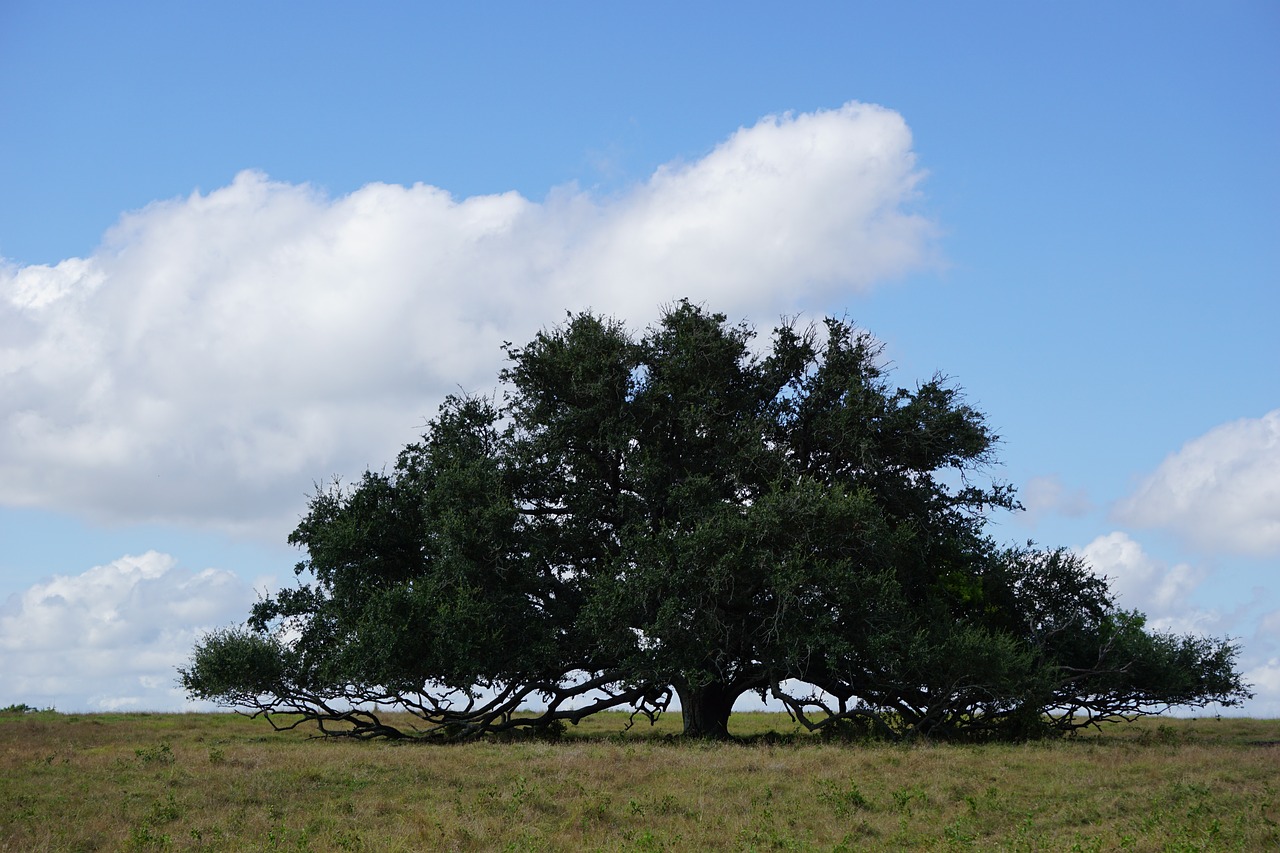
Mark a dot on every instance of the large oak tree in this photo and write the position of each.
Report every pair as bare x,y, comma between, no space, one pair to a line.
685,514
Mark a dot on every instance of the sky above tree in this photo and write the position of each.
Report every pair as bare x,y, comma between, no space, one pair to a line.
246,249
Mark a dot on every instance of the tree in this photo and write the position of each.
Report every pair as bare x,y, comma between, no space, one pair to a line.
641,518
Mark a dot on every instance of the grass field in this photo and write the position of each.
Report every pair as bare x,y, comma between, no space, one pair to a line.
221,782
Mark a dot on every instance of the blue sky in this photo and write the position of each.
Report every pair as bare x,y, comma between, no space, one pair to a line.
245,249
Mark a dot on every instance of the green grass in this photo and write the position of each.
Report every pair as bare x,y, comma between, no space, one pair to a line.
221,782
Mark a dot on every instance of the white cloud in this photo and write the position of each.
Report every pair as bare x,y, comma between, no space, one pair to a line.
1264,679
1139,581
110,638
795,204
1221,491
1044,496
1270,625
1261,665
219,353
1166,594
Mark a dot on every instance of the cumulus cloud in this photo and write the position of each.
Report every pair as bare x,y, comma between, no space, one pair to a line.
1262,666
1264,678
1048,495
1141,582
1167,595
111,637
1221,491
219,353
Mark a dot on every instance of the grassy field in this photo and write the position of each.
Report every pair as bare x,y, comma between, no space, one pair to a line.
220,782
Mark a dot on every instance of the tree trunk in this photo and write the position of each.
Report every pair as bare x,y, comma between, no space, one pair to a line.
706,709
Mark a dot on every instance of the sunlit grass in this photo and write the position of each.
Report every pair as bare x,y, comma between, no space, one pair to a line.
215,782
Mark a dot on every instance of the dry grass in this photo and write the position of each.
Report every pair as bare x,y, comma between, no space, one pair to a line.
219,782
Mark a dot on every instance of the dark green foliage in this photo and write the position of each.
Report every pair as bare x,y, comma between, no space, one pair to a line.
681,514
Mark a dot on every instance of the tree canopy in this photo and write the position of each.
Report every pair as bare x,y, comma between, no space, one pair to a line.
690,513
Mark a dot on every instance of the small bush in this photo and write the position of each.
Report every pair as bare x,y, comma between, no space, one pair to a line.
162,754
